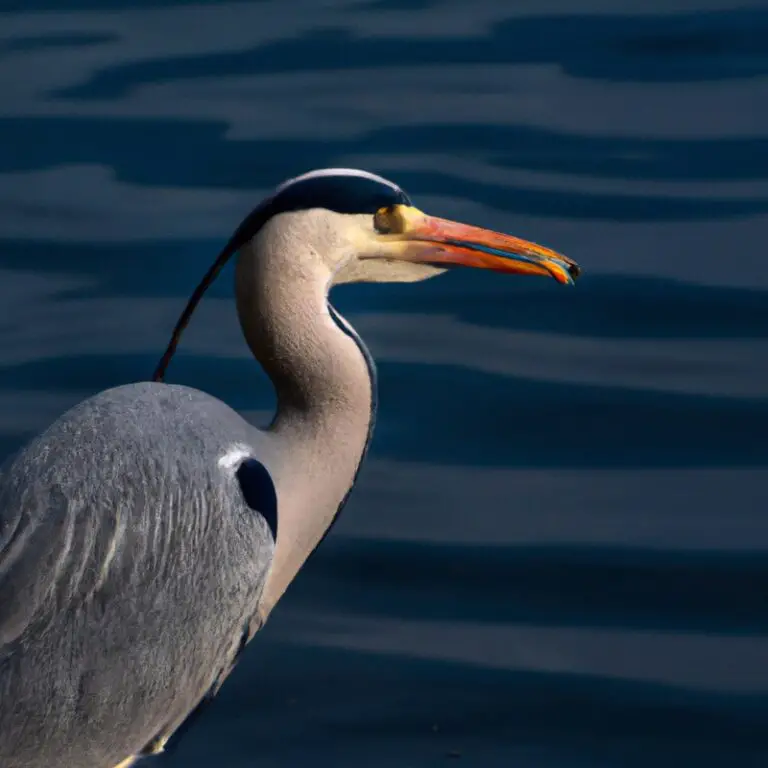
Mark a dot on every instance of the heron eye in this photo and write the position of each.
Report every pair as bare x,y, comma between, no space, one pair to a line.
385,220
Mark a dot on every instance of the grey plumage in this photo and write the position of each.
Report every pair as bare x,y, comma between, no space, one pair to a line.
137,553
125,590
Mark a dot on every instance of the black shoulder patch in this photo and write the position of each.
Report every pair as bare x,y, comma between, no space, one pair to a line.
343,190
259,491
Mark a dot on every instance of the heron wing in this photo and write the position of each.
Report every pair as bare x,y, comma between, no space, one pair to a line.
259,493
34,549
131,564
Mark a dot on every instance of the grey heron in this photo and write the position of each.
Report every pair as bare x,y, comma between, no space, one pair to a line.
146,535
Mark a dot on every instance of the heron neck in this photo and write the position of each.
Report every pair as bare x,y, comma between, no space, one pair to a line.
325,384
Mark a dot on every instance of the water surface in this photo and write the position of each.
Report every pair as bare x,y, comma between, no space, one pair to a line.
556,555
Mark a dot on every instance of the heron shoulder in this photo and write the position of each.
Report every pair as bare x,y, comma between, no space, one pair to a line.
118,507
89,485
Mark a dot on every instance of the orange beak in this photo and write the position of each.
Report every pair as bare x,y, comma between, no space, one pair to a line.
443,243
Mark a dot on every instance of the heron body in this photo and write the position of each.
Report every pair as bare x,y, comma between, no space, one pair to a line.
147,534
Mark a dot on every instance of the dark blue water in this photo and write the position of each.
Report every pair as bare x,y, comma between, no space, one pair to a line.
557,553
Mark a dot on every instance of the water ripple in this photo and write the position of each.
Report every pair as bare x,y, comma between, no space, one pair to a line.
555,557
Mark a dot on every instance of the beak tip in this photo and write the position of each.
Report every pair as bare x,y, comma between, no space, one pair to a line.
566,274
571,271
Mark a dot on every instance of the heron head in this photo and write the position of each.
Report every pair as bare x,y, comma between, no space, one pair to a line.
355,226
365,228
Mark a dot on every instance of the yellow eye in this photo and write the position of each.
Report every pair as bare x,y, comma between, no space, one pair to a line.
385,220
